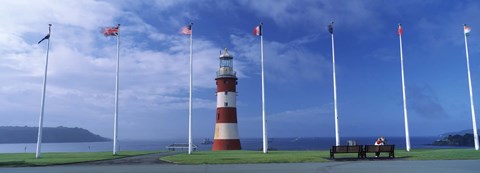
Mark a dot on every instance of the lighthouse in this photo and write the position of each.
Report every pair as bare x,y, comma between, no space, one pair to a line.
226,129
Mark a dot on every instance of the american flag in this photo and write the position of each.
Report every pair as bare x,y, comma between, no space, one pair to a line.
110,31
186,30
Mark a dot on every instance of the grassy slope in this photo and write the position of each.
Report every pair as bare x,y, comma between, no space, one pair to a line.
28,159
224,157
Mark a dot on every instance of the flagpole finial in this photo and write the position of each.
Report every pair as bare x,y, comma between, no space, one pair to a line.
261,23
399,24
50,24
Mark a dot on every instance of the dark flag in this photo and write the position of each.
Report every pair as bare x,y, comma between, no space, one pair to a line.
330,28
44,38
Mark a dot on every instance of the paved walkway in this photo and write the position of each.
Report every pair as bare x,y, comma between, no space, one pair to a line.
135,160
398,166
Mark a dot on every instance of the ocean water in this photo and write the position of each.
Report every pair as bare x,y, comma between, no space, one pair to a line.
318,143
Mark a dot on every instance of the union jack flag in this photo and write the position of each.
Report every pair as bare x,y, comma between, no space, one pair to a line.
111,31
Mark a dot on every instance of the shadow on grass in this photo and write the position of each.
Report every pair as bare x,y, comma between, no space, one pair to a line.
15,164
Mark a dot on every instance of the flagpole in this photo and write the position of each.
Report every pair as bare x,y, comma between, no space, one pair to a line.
264,120
474,122
407,134
115,125
190,95
337,138
40,123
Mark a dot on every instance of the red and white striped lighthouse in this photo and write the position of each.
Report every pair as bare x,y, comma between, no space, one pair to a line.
226,129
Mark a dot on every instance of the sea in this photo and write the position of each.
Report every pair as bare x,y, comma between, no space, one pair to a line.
294,143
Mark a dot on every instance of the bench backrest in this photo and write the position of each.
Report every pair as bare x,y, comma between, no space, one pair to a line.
379,148
347,149
386,148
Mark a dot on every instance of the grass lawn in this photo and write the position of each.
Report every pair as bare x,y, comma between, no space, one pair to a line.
238,157
28,159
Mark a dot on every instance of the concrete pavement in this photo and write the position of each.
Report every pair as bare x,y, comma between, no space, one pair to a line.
438,166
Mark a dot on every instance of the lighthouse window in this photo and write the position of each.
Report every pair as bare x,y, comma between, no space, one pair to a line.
226,81
218,116
226,103
226,92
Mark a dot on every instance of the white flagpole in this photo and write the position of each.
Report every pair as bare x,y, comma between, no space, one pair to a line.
264,120
407,134
40,123
190,95
337,138
115,125
474,121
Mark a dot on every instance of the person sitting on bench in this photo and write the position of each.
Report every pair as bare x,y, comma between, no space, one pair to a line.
380,141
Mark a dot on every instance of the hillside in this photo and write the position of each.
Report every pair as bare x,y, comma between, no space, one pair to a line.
17,134
460,138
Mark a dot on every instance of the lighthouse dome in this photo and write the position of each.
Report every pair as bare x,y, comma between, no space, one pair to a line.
225,54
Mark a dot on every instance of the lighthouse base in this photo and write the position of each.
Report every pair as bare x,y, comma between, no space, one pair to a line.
226,144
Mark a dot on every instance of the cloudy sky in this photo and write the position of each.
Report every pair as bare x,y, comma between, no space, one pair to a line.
299,90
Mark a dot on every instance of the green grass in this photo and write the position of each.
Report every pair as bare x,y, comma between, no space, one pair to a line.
28,159
231,157
438,154
242,157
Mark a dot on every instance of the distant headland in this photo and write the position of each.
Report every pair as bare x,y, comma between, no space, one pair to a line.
25,134
461,138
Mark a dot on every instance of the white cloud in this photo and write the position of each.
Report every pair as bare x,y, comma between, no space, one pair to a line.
81,74
283,62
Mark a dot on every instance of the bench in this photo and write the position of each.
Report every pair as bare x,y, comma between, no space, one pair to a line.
390,149
346,149
176,146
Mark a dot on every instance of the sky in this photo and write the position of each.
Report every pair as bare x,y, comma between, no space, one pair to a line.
154,66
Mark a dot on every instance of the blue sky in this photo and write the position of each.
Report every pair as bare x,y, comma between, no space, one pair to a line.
299,89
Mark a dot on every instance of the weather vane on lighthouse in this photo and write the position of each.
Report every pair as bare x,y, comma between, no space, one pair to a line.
226,129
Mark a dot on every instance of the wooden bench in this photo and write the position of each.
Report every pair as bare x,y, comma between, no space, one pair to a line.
176,146
390,149
346,149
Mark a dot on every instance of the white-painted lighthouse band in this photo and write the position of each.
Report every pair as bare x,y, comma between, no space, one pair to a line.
226,99
226,131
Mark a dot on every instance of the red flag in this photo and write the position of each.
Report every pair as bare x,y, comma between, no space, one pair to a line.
257,30
110,31
400,30
186,30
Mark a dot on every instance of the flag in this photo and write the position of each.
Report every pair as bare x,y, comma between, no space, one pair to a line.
257,30
330,28
110,31
466,30
400,30
186,30
44,38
